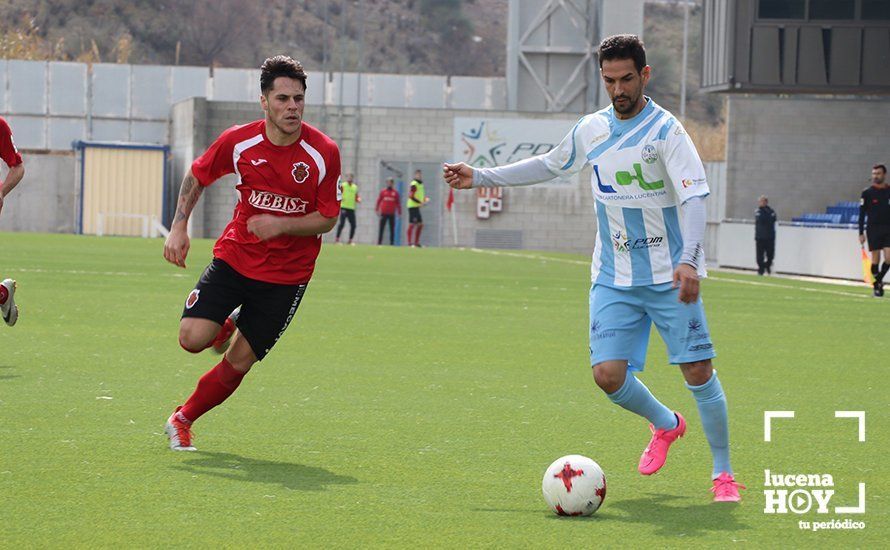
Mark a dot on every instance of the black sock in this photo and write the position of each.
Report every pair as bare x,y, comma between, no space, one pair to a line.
884,268
875,271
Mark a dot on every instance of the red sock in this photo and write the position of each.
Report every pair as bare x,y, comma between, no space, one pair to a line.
411,234
4,294
214,387
417,231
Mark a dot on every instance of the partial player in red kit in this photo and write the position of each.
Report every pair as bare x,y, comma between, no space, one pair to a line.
287,198
13,160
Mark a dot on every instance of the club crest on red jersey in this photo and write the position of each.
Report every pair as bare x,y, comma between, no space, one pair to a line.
300,172
192,299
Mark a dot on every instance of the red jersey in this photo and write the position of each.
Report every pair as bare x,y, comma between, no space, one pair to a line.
388,202
8,152
291,180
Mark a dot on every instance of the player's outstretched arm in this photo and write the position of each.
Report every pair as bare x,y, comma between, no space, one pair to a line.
565,159
524,172
458,175
268,226
176,247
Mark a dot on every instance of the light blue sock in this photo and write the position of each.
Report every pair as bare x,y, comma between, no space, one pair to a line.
636,397
711,403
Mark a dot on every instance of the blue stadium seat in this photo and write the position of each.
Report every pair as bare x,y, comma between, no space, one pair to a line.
844,212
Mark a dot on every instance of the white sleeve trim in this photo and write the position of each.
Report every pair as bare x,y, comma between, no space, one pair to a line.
319,160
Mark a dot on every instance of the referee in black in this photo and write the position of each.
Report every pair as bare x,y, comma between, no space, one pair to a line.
875,206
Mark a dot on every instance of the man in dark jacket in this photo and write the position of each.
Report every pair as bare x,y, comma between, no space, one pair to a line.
765,235
874,224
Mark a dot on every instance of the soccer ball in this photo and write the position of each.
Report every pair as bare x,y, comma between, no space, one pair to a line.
574,485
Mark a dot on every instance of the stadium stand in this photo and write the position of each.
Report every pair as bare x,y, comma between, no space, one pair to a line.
843,213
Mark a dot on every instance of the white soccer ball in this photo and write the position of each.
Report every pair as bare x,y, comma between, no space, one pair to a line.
574,485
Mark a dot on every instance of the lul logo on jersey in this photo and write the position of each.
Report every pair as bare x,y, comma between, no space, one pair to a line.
624,177
649,154
277,203
300,172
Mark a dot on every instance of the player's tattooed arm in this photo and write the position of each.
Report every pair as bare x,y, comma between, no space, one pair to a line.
189,194
176,247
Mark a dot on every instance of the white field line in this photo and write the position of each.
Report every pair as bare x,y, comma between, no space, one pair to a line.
717,278
803,288
477,250
84,272
528,256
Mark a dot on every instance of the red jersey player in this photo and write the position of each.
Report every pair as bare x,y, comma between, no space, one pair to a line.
287,198
388,206
13,160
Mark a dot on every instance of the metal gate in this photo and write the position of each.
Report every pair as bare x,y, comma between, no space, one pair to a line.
122,188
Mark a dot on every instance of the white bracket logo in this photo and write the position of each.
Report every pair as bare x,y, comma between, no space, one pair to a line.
768,418
776,499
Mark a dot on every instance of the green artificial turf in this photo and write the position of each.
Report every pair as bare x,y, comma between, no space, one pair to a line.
415,401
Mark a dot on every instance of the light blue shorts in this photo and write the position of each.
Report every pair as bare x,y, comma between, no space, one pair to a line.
620,319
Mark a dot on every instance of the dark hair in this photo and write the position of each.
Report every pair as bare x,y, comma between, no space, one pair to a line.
880,167
622,46
280,65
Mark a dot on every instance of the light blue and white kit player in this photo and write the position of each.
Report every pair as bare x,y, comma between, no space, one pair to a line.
649,187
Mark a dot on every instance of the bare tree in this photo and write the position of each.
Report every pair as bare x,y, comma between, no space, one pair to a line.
210,29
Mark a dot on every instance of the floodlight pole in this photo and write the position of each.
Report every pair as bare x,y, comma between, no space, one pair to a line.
685,59
324,71
356,138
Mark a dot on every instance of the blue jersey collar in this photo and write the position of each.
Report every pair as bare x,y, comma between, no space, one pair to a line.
618,123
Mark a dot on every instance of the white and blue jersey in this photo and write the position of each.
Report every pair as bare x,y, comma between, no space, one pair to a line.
644,168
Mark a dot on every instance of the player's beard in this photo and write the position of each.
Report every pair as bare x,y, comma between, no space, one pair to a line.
628,107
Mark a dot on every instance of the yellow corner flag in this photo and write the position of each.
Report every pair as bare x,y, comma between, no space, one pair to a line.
866,267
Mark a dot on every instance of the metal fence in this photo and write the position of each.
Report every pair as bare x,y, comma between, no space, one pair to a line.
52,104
